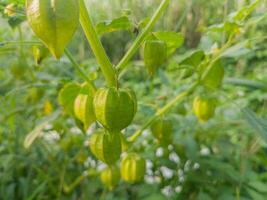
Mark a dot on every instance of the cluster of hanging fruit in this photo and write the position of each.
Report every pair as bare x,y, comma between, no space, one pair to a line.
55,22
114,108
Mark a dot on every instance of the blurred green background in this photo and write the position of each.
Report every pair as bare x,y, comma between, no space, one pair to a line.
223,159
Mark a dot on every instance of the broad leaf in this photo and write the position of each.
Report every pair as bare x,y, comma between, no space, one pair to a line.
189,62
193,58
121,23
173,40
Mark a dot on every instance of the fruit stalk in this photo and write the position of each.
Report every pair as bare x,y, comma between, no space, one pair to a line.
96,46
78,68
138,41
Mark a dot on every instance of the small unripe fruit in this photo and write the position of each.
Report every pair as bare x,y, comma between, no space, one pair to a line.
162,130
133,168
155,54
83,105
110,177
106,146
204,108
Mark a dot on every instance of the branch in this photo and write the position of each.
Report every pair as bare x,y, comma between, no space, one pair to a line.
96,46
138,41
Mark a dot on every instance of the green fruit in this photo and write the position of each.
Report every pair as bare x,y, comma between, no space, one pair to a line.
215,76
83,105
54,22
133,168
162,130
204,108
106,146
115,108
155,54
110,177
39,53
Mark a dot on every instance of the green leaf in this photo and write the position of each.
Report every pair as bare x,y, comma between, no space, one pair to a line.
234,20
228,27
189,62
243,13
67,96
38,130
173,40
121,23
258,124
193,58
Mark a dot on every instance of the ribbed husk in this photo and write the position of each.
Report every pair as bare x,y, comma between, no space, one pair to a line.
162,130
115,108
83,106
54,22
106,146
110,177
133,168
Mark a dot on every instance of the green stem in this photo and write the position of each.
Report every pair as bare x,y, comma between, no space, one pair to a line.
78,68
138,41
96,46
79,179
178,99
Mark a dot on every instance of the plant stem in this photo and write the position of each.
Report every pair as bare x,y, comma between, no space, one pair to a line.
78,68
96,46
138,41
79,179
178,99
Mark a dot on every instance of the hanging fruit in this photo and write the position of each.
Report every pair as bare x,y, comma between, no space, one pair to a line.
115,108
83,105
133,168
110,177
162,130
204,107
106,146
54,22
155,54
